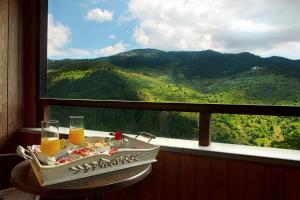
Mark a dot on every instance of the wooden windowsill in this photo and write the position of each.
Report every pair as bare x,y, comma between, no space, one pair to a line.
231,151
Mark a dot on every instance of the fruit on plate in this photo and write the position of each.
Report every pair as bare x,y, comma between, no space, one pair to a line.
112,151
95,145
64,160
81,151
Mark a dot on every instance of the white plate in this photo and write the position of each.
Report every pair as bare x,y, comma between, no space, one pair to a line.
43,159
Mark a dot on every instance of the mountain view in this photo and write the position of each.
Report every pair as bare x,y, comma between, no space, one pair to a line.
182,76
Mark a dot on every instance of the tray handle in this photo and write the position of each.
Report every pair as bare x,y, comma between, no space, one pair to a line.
22,152
146,135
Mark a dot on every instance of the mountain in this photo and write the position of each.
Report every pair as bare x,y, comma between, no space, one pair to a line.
182,76
204,64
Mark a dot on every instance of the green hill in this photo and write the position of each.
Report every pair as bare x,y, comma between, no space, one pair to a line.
200,77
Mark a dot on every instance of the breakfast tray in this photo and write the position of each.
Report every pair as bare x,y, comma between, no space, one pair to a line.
131,153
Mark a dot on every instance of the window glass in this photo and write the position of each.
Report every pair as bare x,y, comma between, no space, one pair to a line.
221,51
265,131
164,124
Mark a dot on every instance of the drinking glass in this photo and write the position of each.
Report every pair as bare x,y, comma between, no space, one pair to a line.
50,144
76,131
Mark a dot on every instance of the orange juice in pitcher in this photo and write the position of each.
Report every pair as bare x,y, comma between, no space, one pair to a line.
50,143
50,146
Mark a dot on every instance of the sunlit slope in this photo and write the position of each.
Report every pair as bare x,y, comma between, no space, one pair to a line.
106,81
174,78
90,83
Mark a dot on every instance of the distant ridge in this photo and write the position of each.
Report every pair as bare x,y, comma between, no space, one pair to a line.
141,52
203,63
206,63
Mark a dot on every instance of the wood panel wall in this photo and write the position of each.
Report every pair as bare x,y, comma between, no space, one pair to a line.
189,177
11,81
18,69
30,13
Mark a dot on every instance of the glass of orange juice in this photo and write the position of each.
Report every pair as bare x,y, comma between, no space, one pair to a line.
76,131
50,144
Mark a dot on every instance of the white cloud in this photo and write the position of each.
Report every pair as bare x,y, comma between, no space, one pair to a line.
113,49
58,36
95,53
79,53
285,49
99,15
141,37
224,25
112,36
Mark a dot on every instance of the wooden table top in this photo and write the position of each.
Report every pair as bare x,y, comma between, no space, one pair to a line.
23,178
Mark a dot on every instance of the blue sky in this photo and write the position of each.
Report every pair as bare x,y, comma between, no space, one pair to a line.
97,28
90,34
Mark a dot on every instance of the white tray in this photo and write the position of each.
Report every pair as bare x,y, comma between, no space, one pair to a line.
131,153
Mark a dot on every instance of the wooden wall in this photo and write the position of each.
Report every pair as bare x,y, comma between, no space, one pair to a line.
179,176
19,69
30,12
10,73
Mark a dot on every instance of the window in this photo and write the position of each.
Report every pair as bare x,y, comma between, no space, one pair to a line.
222,52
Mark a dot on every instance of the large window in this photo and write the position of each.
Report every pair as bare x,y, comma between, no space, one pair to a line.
222,51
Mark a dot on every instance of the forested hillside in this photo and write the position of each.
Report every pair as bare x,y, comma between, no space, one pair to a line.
199,77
